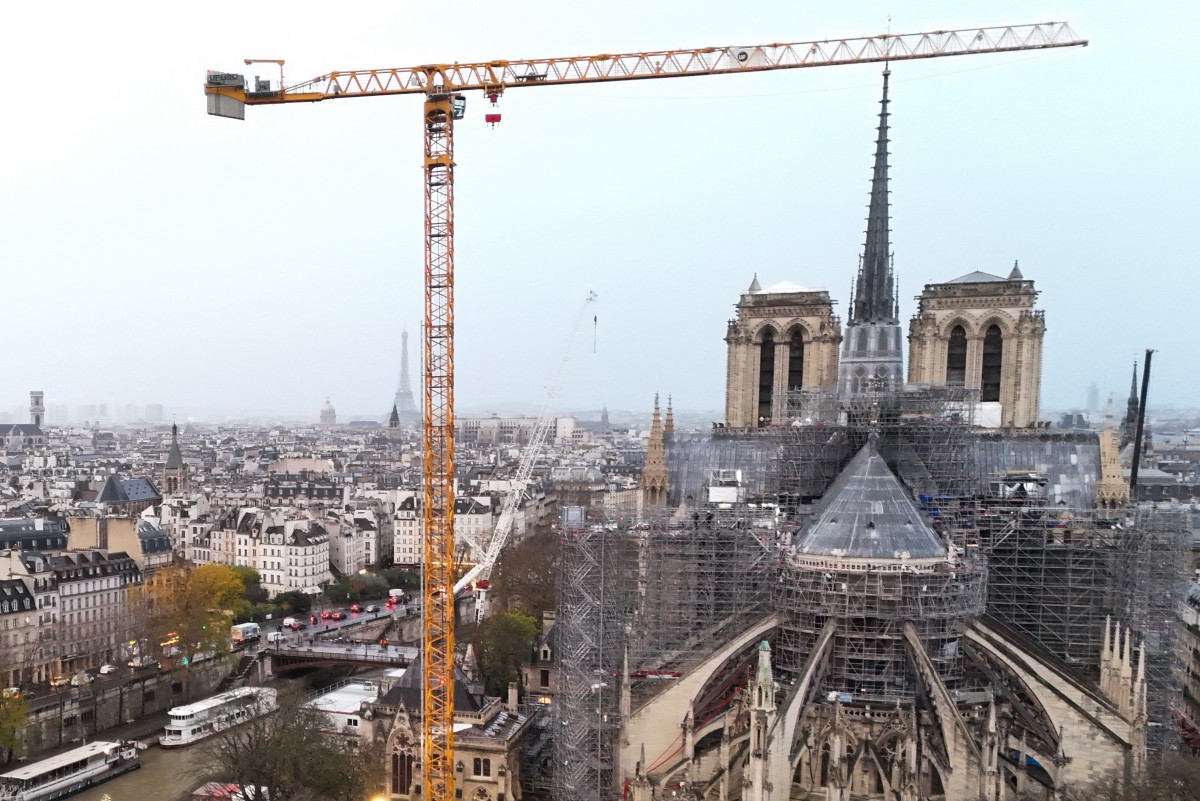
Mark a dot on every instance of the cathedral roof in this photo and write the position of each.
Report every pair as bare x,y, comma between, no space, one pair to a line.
868,514
782,288
977,277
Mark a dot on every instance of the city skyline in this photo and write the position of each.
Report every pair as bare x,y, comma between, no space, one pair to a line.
269,264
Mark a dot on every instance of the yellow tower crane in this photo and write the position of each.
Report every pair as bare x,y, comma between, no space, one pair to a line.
442,85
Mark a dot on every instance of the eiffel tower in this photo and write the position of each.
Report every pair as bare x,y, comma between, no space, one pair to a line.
410,415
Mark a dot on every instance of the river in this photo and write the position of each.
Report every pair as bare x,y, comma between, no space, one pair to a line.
165,775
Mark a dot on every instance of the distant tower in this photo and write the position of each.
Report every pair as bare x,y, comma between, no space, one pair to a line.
872,358
654,469
1129,421
37,408
1093,398
604,421
394,417
175,471
410,415
328,415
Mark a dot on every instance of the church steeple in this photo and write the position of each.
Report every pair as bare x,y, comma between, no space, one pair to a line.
175,470
669,424
875,298
654,469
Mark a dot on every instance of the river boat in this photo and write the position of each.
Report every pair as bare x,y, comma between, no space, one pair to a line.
194,722
70,772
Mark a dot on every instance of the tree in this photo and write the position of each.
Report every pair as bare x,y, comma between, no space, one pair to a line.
195,605
252,582
289,755
294,602
524,575
12,720
505,641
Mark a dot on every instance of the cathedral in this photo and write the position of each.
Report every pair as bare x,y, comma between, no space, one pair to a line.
870,582
978,331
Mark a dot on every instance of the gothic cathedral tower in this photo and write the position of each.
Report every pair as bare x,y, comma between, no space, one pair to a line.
872,357
982,332
784,338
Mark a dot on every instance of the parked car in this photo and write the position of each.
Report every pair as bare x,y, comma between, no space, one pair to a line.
106,669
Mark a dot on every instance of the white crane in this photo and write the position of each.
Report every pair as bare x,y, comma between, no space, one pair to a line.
520,481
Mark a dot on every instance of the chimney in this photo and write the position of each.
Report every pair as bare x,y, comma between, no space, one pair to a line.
512,705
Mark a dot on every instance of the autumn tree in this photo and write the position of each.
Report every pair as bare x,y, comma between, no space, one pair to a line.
505,643
525,573
288,755
194,604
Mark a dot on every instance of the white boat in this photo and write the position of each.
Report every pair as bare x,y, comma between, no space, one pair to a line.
69,772
192,723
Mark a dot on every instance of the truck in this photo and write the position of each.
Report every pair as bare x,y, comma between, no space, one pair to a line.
243,634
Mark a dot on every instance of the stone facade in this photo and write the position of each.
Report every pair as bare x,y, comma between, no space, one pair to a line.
784,337
981,331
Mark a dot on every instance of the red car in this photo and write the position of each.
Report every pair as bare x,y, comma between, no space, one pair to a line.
326,614
354,608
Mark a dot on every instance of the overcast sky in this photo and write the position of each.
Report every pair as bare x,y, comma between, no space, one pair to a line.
156,254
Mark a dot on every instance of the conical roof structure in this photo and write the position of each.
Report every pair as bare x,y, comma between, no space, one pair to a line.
868,514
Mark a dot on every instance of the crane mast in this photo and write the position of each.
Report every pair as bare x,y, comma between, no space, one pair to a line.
227,95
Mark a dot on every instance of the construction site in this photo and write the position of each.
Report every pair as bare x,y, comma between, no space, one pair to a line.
646,602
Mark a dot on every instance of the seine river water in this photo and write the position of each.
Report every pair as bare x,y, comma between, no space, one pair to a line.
165,775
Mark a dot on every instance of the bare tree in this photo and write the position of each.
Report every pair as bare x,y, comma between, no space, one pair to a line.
291,755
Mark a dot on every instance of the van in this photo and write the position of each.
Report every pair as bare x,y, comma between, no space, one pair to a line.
81,679
275,636
290,622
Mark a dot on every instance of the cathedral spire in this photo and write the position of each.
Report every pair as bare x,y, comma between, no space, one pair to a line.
875,300
669,424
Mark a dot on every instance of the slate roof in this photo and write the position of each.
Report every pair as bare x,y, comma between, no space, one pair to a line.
868,514
408,690
128,490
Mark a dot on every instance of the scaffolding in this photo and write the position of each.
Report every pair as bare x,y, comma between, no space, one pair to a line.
1151,586
925,431
640,601
870,603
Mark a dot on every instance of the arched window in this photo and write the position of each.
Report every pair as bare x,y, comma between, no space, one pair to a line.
956,357
796,360
766,374
402,766
993,355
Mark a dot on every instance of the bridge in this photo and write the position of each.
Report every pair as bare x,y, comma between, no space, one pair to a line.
292,656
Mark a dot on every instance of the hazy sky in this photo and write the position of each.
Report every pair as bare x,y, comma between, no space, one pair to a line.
156,254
